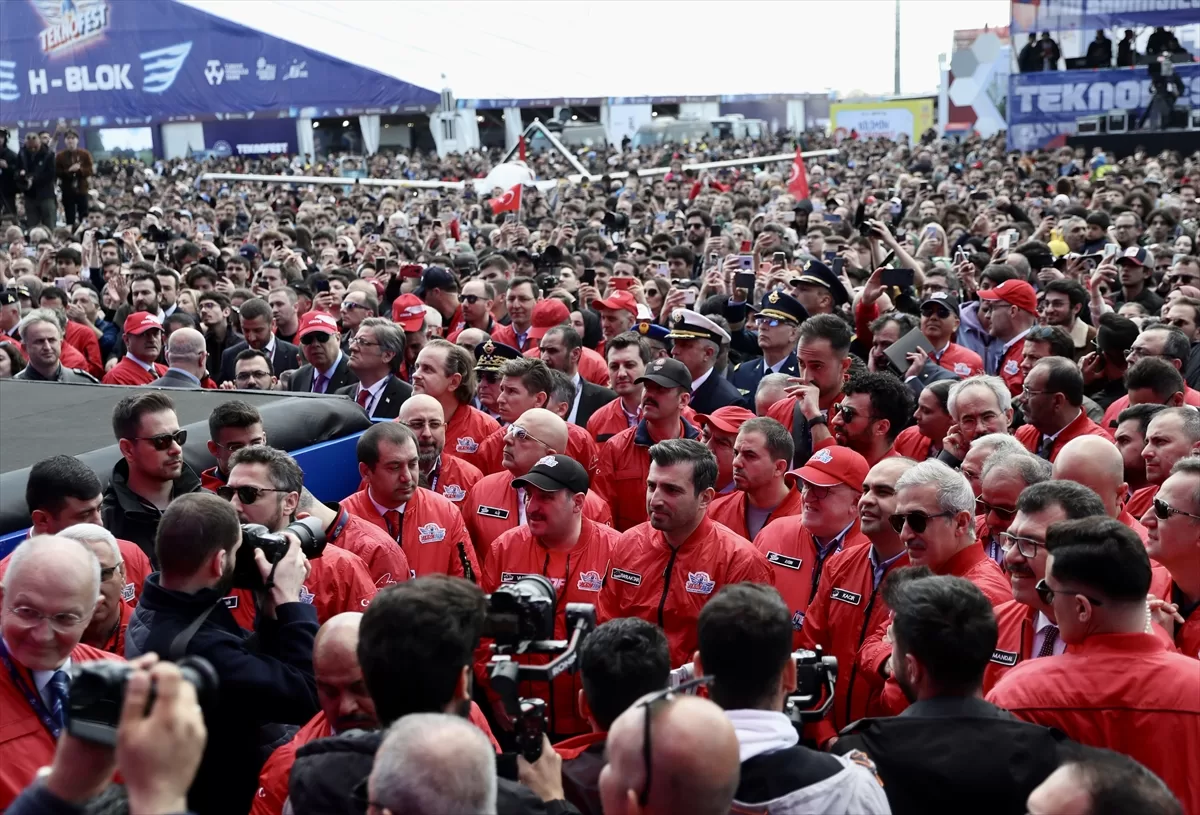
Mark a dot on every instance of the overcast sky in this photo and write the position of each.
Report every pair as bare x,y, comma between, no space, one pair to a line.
615,48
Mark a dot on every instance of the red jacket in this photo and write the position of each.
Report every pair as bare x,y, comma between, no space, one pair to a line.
273,779
83,339
466,430
577,576
610,420
650,580
1031,437
385,561
1133,523
624,468
1010,367
127,372
796,561
848,605
1190,397
1140,502
337,581
211,479
25,744
911,444
507,335
455,478
434,537
491,510
1187,636
137,569
580,446
1125,692
592,366
730,510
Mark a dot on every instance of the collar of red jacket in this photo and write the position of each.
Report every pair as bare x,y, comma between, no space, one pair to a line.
641,436
1138,642
962,561
702,531
572,747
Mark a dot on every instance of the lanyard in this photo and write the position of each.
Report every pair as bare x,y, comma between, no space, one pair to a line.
34,699
435,474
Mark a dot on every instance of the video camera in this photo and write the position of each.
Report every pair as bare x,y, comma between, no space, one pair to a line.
814,673
274,546
97,695
520,619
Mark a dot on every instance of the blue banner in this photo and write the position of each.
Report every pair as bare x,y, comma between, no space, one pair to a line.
1043,105
254,137
1089,15
93,61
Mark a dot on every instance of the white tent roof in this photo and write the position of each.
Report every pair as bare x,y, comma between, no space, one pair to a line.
532,50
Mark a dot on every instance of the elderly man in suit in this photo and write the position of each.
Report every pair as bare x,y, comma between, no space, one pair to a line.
187,356
376,354
328,369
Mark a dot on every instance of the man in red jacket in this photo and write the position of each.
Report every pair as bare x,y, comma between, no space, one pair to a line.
1012,308
873,410
428,527
1172,434
627,355
143,344
446,372
799,546
385,560
718,431
49,578
441,472
232,425
1052,398
1116,686
558,542
1005,475
1173,539
761,454
848,603
519,300
1097,464
666,569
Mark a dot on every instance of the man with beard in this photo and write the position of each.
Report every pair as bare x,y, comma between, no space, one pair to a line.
1052,397
1064,302
446,373
447,475
267,679
719,431
762,450
143,335
874,409
252,372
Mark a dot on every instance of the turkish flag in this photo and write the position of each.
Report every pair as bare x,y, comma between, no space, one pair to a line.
798,181
509,202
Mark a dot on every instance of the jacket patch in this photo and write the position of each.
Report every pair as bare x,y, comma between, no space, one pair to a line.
699,583
797,620
632,578
1004,657
784,561
845,596
431,533
128,592
306,596
1011,368
512,577
454,492
492,512
590,581
231,601
466,444
962,369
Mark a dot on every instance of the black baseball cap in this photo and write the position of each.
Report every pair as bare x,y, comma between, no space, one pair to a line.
436,277
669,373
553,473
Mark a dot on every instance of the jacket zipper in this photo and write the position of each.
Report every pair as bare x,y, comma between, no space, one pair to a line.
666,586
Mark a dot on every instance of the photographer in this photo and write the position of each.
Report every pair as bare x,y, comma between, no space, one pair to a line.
745,636
268,679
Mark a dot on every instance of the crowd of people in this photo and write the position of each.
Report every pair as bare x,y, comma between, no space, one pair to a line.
937,420
1044,54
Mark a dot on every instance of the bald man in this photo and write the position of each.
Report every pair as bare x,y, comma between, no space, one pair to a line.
187,356
47,577
345,705
1095,462
450,476
431,763
682,778
494,507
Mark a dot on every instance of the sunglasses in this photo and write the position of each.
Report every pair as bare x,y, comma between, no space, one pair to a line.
350,305
1046,594
1003,513
649,703
1163,511
767,322
163,441
847,413
521,434
319,337
470,299
938,311
247,495
917,521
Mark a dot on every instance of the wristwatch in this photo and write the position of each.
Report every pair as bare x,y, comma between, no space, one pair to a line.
818,419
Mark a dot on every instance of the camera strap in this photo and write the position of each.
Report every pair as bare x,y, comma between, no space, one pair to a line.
178,648
31,695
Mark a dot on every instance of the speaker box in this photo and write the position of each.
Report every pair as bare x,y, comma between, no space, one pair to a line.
1194,119
1090,125
1118,121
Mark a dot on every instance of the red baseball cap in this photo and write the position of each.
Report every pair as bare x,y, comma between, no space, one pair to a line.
831,466
140,322
1014,292
728,419
619,300
316,321
546,315
409,311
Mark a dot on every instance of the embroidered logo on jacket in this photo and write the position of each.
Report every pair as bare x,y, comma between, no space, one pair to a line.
962,369
1011,368
699,583
231,602
783,560
590,581
431,533
454,492
306,596
466,444
797,620
128,592
632,578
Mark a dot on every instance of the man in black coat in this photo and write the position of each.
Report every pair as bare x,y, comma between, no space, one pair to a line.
376,354
263,678
35,178
8,178
950,751
560,348
327,369
258,328
697,342
1100,52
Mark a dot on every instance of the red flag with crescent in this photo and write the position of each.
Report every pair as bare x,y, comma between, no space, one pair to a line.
798,181
509,202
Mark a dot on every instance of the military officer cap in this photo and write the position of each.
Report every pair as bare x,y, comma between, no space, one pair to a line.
816,273
651,331
491,355
782,306
692,325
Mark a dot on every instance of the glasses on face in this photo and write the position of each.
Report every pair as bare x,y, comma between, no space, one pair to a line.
107,572
637,250
1028,547
767,322
1046,594
31,617
848,413
350,305
982,507
319,337
163,441
917,521
521,434
1163,511
247,495
1026,392
935,311
418,426
695,226
470,299
361,343
649,703
1183,280
251,376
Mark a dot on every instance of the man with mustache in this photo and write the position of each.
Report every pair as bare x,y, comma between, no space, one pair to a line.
448,475
761,452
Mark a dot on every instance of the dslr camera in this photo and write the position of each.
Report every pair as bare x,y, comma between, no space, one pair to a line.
274,546
98,693
816,678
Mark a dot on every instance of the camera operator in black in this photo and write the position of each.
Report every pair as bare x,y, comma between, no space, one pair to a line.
264,678
745,638
416,648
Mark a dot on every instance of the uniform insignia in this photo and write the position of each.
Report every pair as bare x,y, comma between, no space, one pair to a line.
231,601
546,461
306,596
797,620
128,592
454,492
773,297
466,444
384,580
632,578
1004,657
431,533
492,512
823,455
643,327
489,347
962,369
590,581
1011,367
845,596
699,583
783,560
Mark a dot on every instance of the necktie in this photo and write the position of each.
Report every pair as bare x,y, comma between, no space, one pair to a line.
1044,447
395,523
1048,641
363,396
58,698
319,385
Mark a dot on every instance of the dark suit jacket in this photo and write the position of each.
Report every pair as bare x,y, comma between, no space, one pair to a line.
716,392
932,372
302,380
287,357
592,398
388,406
174,379
746,376
956,755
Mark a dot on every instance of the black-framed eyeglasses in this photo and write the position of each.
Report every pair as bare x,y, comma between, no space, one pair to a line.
434,425
917,521
1163,511
315,336
163,441
648,703
247,494
1046,594
931,310
1028,547
251,376
521,434
1003,513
